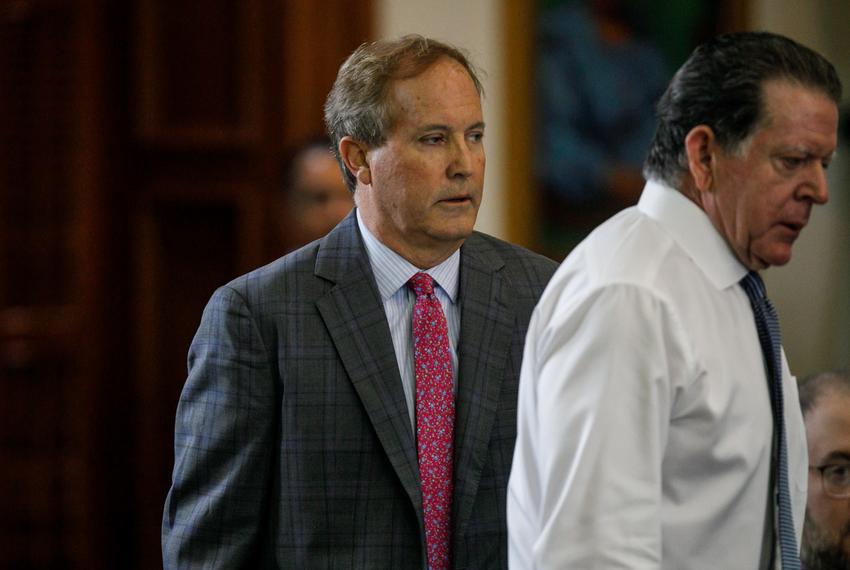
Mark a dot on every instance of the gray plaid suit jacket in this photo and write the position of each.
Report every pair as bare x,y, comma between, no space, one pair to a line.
293,444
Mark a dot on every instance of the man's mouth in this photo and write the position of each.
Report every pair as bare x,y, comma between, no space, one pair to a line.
458,200
793,227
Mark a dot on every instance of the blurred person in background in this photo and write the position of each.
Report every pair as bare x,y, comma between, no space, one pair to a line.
825,400
314,196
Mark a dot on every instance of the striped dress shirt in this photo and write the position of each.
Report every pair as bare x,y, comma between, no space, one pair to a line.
392,273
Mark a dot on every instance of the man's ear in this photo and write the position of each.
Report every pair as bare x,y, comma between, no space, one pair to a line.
353,154
700,148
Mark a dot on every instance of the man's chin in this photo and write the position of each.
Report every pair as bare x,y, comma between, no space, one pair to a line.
455,232
776,256
821,552
831,558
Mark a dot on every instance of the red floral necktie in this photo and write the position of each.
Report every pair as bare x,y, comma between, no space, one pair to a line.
435,417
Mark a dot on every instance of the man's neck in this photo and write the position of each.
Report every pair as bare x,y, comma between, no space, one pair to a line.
423,257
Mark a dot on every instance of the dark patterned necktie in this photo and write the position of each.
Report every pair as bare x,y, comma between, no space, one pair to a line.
435,417
767,325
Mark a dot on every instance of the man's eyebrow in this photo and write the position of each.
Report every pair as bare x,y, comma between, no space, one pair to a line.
434,127
808,151
841,456
441,127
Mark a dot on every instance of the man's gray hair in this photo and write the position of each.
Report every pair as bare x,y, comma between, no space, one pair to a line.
358,106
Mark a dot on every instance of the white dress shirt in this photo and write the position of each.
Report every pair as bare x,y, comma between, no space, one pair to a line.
392,272
645,429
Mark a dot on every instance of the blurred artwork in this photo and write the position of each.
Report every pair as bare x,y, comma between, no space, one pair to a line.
601,66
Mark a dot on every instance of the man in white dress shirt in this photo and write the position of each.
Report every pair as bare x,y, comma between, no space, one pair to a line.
645,425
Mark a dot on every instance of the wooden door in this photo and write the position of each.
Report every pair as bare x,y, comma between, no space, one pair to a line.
140,144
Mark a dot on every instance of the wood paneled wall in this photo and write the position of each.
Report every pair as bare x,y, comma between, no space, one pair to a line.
140,150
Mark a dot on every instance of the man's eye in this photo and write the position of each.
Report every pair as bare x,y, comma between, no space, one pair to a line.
838,474
792,162
476,137
432,139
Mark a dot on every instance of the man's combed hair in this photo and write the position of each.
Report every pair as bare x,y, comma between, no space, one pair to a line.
357,104
721,86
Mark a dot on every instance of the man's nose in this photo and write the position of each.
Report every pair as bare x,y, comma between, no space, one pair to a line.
816,187
461,160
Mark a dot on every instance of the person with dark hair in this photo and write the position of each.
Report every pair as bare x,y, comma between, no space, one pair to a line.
658,420
314,197
825,400
353,404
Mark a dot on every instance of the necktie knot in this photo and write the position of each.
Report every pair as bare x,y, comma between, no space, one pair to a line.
421,284
753,286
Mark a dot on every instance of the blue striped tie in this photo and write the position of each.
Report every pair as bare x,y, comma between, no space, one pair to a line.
767,325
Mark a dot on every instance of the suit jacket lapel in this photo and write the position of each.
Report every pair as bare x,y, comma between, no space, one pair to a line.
487,323
354,314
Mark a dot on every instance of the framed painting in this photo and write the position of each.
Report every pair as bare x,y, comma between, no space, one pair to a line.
595,70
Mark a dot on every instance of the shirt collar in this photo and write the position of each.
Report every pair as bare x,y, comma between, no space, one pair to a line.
690,227
392,271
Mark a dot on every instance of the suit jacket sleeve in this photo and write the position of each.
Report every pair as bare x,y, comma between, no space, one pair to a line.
225,425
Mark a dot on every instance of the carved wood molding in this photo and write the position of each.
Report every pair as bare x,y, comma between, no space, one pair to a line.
199,73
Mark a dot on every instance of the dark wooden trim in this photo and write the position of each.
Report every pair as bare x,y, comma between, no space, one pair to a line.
153,129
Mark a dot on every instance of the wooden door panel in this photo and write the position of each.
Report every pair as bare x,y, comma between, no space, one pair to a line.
139,143
199,72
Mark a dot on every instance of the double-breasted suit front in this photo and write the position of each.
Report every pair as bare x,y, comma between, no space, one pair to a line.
293,441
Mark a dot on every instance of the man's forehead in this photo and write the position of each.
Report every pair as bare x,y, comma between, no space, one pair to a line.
779,96
410,68
431,82
425,107
315,163
828,423
795,118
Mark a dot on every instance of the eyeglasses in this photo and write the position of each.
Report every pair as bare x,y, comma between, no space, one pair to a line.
835,479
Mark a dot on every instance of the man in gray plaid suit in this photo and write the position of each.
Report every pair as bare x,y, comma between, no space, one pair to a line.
295,440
